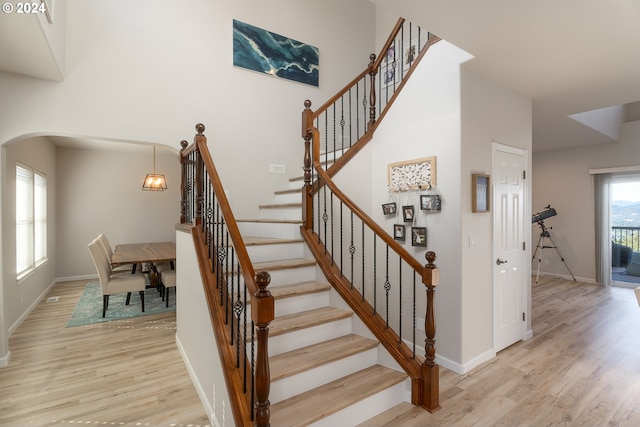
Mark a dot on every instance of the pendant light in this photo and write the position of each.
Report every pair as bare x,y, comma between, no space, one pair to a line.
154,181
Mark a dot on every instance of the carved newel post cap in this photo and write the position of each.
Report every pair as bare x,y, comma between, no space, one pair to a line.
431,275
184,144
430,256
200,128
372,57
307,104
263,279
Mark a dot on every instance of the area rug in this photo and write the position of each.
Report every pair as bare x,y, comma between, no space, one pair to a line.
89,307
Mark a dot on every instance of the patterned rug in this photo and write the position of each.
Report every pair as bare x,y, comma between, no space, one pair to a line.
89,307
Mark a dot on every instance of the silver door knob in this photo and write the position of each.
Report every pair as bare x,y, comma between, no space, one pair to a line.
501,261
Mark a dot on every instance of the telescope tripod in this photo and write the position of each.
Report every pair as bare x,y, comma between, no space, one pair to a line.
545,234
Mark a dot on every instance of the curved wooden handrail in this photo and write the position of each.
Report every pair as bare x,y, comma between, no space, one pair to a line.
388,240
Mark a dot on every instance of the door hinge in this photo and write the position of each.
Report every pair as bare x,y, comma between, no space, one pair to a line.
524,174
523,319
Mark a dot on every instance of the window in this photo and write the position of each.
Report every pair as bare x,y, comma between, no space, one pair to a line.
31,220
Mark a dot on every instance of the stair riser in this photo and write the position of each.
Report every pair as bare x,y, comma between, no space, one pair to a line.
261,253
304,337
305,381
288,213
365,409
289,197
292,275
301,303
276,230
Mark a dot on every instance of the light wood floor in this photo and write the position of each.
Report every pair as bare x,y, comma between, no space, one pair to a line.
127,373
581,368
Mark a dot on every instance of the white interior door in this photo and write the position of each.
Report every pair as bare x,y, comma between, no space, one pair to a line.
510,260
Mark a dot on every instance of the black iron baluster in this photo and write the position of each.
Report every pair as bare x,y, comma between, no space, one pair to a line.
332,226
352,250
375,274
363,262
387,288
413,316
341,239
400,298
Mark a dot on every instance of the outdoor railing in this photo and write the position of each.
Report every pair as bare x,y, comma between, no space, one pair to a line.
627,236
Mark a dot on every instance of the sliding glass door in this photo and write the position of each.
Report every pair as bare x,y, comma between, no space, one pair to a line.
625,230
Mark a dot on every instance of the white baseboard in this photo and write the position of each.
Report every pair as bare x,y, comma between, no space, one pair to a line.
28,311
196,383
565,277
4,360
466,366
74,278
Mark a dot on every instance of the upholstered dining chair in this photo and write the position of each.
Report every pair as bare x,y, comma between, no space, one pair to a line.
109,251
114,283
168,280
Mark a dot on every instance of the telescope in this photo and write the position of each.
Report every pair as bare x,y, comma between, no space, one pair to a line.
541,216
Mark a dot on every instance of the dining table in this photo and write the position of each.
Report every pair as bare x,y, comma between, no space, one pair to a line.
146,254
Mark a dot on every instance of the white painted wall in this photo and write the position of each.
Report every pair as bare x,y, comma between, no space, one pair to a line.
561,178
20,297
489,113
195,338
101,192
148,71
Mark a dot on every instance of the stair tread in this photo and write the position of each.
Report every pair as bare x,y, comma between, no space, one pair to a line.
306,319
283,264
280,205
272,221
288,191
306,358
296,289
313,405
257,240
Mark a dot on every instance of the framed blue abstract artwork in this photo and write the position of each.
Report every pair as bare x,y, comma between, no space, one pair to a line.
270,53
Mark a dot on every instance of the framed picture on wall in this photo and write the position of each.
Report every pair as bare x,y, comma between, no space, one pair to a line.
419,236
408,213
480,193
399,232
389,208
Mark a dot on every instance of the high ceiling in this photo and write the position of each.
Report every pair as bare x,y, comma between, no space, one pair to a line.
568,56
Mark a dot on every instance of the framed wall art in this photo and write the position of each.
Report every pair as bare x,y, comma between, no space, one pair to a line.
480,193
260,50
408,213
399,232
412,174
419,236
430,202
389,208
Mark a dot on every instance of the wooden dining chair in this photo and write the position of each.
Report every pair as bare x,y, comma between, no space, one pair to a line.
114,283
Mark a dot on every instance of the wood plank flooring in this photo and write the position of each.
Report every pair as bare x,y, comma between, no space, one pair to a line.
115,373
581,368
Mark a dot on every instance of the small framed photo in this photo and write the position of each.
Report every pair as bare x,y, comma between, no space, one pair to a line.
389,208
408,213
430,202
419,236
399,232
480,193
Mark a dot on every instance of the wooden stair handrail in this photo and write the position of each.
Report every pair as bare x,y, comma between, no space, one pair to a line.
262,302
424,376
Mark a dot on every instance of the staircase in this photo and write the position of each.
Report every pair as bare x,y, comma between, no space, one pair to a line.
326,369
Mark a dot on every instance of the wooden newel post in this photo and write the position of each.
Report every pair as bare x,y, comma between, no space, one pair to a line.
262,313
372,95
183,182
430,370
199,140
307,194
